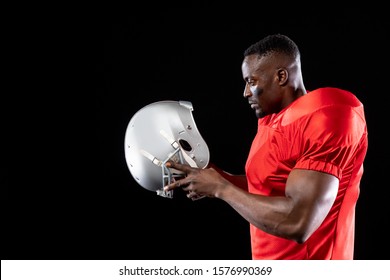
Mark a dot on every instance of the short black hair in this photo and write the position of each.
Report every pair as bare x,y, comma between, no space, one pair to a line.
274,43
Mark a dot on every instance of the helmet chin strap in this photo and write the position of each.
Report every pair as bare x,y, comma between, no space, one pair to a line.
176,145
183,156
178,155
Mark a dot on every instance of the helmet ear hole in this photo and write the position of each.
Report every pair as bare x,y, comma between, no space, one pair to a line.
185,145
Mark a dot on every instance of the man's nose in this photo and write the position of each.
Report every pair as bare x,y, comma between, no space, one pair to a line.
247,91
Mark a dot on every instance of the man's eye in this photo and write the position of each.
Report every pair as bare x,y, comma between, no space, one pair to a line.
251,83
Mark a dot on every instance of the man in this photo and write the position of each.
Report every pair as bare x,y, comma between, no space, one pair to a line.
305,164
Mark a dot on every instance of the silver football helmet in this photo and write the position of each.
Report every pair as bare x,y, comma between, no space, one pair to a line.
160,132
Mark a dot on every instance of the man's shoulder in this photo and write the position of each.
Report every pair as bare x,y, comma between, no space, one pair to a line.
328,99
326,96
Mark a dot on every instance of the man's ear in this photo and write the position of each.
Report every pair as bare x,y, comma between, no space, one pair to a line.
282,76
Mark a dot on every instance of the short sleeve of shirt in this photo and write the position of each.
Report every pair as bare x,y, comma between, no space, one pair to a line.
329,137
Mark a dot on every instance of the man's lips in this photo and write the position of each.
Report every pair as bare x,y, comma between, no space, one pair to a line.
254,105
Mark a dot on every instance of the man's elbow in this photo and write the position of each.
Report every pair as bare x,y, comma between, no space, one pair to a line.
300,239
300,234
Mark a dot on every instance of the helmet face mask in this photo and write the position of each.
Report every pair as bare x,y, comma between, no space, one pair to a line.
160,132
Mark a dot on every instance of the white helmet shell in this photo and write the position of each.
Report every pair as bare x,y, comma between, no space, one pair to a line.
160,132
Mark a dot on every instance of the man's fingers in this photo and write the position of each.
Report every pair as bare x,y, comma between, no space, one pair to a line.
182,167
174,185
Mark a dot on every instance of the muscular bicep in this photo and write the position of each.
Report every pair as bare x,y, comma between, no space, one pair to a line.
313,194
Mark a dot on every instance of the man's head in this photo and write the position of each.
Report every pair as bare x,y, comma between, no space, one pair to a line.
272,72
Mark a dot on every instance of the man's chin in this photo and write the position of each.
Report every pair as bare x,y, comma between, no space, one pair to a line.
259,114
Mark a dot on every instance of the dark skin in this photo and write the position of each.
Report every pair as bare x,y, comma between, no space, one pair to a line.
272,83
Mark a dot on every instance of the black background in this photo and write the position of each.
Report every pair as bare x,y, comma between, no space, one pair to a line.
81,75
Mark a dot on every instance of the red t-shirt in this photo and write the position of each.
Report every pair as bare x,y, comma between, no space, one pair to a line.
324,130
